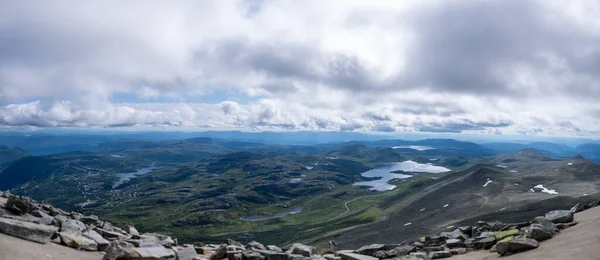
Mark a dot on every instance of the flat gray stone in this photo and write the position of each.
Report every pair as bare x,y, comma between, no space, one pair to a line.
77,241
516,245
30,231
440,254
560,216
185,253
355,256
102,243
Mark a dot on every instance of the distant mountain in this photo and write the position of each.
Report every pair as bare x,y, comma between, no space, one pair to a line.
10,154
552,149
53,142
368,154
432,147
590,151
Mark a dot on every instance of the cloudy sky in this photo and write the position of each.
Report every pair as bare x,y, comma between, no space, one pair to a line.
496,67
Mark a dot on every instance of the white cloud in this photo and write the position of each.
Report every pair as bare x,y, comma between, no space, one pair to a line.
494,67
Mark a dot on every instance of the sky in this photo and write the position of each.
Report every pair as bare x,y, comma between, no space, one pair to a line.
510,67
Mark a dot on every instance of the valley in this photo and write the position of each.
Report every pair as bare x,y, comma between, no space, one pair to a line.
205,189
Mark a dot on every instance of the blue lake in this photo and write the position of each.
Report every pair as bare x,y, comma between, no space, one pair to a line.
130,175
385,172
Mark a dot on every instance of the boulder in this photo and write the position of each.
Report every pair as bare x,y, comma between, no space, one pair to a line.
385,254
439,254
458,251
436,240
232,242
77,241
497,226
548,225
454,243
405,250
255,245
219,253
19,205
418,256
485,243
102,243
44,218
30,231
515,245
91,220
577,208
110,235
560,216
234,255
433,248
504,234
249,255
300,249
272,255
146,253
274,248
561,226
132,231
72,226
371,249
538,232
185,253
354,256
456,234
467,230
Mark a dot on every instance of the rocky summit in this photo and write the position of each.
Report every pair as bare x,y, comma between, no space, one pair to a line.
23,218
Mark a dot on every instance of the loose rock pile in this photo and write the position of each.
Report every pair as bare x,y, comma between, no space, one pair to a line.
22,217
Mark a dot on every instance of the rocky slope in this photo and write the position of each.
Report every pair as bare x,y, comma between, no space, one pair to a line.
515,187
41,223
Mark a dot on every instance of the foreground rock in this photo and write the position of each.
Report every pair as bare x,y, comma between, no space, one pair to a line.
560,216
516,245
30,231
21,217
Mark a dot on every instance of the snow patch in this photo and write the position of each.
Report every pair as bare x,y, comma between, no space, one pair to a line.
407,224
570,163
308,167
513,171
446,205
422,210
545,190
487,182
501,166
502,209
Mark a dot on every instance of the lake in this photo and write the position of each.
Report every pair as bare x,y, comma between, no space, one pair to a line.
278,215
385,172
130,175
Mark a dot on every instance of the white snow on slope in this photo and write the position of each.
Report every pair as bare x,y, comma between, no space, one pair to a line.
487,182
544,189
